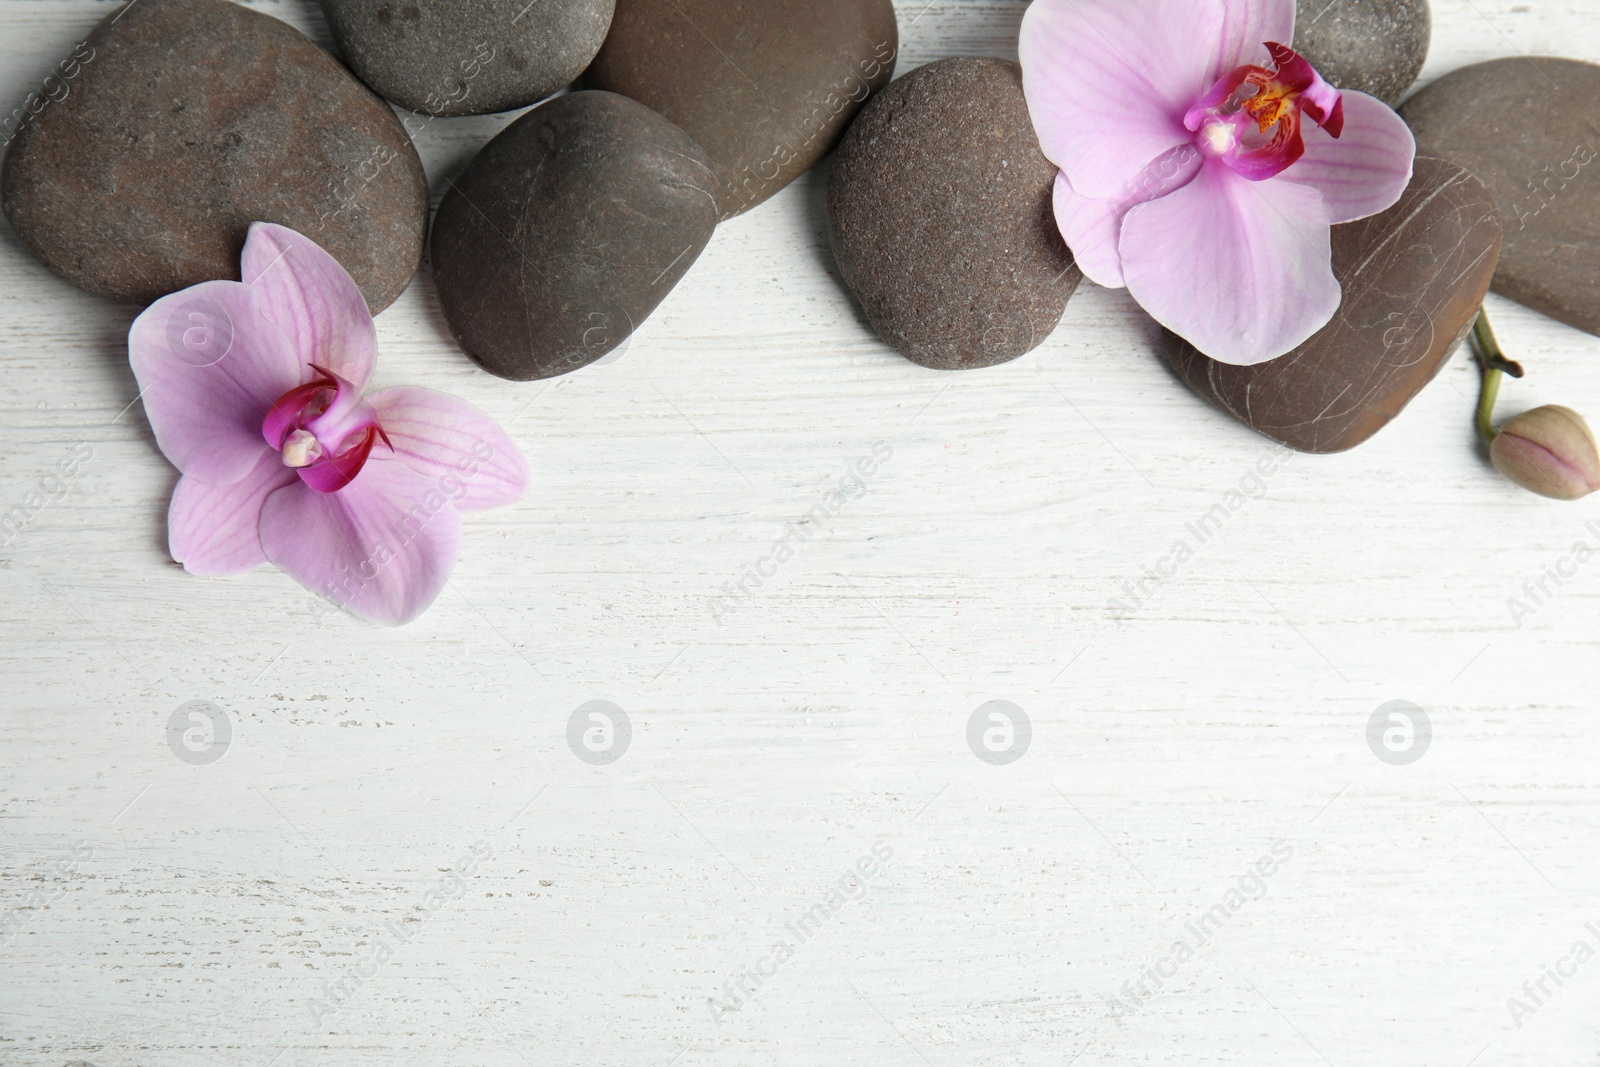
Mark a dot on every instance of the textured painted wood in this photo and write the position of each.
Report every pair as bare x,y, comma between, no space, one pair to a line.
163,912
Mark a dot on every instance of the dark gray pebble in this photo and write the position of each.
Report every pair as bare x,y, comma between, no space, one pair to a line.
567,231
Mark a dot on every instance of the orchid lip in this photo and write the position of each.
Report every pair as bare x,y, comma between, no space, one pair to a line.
1250,118
324,430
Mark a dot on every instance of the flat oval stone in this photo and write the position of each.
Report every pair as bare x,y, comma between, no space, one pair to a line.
468,57
1374,46
765,86
567,231
940,218
1413,277
188,121
1527,129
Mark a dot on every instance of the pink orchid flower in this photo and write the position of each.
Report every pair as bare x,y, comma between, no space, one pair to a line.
1188,173
254,391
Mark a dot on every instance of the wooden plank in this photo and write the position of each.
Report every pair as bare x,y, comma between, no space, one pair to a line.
207,914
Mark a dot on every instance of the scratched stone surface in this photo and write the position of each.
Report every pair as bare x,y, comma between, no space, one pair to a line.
1529,127
565,233
183,121
1413,277
468,57
765,87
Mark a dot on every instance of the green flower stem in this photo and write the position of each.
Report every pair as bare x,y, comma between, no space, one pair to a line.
1487,395
1493,366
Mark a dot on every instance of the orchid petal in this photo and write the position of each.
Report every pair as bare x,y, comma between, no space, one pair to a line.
451,441
1367,169
1240,269
215,529
313,300
1107,91
209,364
1092,228
1247,26
383,546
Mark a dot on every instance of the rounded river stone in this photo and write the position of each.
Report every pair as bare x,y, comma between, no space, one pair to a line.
940,217
1374,46
567,230
1413,278
1530,129
468,57
187,121
765,86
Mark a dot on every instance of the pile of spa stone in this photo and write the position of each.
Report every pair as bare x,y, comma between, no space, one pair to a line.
189,119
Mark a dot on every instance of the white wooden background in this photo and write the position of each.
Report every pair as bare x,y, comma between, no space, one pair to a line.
193,914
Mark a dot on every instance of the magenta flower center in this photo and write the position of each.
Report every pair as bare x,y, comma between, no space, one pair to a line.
324,430
1251,118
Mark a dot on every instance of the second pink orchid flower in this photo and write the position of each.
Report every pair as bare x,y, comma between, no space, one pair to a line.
254,391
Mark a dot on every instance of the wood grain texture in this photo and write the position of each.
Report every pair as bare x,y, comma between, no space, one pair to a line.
166,913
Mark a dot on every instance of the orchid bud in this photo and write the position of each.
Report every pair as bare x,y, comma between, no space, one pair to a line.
1549,450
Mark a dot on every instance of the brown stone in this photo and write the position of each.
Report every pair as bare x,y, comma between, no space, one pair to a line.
1374,46
567,231
940,218
468,57
1530,130
1413,277
765,86
188,120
